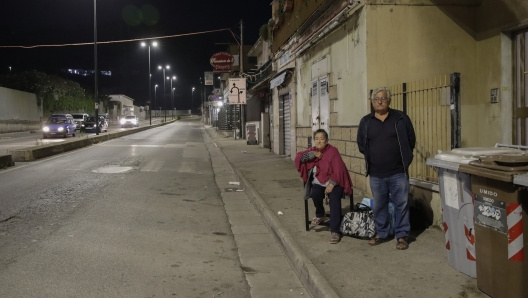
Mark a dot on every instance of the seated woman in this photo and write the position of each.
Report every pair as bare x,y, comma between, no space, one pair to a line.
324,173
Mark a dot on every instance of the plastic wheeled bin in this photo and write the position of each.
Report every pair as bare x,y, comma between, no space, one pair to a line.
251,134
500,212
457,204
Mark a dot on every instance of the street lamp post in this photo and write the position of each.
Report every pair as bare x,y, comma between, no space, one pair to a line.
164,95
154,44
173,90
172,101
192,99
155,87
96,95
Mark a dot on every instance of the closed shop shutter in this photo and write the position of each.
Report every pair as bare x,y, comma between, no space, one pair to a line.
287,126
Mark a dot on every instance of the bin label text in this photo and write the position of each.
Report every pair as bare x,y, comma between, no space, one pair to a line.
491,213
488,192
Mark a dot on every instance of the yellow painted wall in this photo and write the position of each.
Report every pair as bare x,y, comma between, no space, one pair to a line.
488,76
346,49
383,45
303,85
409,43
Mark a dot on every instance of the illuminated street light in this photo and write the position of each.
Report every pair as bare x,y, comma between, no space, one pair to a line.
164,94
192,98
154,44
172,97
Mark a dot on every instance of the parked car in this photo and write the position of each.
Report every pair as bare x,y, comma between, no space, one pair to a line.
130,120
91,125
80,118
59,125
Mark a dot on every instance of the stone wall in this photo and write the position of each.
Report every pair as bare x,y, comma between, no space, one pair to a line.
18,111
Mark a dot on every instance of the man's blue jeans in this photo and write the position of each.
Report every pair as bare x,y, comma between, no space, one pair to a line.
398,188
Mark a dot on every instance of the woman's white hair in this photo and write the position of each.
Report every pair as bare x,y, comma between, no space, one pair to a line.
386,89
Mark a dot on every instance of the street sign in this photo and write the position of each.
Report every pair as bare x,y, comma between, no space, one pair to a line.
222,61
209,78
237,91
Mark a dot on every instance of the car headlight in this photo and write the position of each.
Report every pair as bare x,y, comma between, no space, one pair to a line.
123,121
45,128
134,121
60,129
82,125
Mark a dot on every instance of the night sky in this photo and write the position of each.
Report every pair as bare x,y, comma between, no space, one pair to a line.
35,22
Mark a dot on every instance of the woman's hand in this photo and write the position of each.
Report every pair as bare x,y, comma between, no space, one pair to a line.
318,154
329,188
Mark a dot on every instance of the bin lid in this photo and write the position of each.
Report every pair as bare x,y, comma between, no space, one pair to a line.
454,157
499,167
477,151
521,179
465,155
503,162
442,164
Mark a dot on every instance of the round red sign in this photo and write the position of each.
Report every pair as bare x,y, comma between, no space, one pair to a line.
222,60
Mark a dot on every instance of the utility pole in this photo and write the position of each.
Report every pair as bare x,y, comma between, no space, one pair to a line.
150,83
241,58
202,89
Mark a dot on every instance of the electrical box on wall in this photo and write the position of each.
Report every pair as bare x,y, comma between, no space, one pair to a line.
494,95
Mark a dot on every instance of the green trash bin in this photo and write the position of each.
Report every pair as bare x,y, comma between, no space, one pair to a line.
500,214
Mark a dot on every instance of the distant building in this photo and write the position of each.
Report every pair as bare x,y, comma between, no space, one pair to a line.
86,73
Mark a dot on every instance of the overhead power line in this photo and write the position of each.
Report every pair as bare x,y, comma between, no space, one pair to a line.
117,41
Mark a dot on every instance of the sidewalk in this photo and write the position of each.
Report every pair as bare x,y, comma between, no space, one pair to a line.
351,268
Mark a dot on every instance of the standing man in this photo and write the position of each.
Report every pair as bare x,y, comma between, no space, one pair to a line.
386,139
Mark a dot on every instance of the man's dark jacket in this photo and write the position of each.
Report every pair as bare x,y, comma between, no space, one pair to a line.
404,131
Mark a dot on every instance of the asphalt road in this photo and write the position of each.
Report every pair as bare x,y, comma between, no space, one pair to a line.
139,216
18,140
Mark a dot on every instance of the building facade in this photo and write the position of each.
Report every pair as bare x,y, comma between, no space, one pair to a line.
457,69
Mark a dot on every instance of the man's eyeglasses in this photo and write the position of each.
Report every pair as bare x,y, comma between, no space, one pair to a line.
384,99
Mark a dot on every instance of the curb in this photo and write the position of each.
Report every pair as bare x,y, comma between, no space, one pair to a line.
43,151
306,271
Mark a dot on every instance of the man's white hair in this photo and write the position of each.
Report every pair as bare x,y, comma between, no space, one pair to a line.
386,89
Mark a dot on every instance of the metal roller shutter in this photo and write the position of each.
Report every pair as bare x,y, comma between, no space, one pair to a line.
287,126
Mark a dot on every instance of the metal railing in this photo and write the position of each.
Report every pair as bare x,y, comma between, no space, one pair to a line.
433,107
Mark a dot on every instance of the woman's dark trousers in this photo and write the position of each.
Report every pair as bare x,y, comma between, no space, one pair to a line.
317,194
